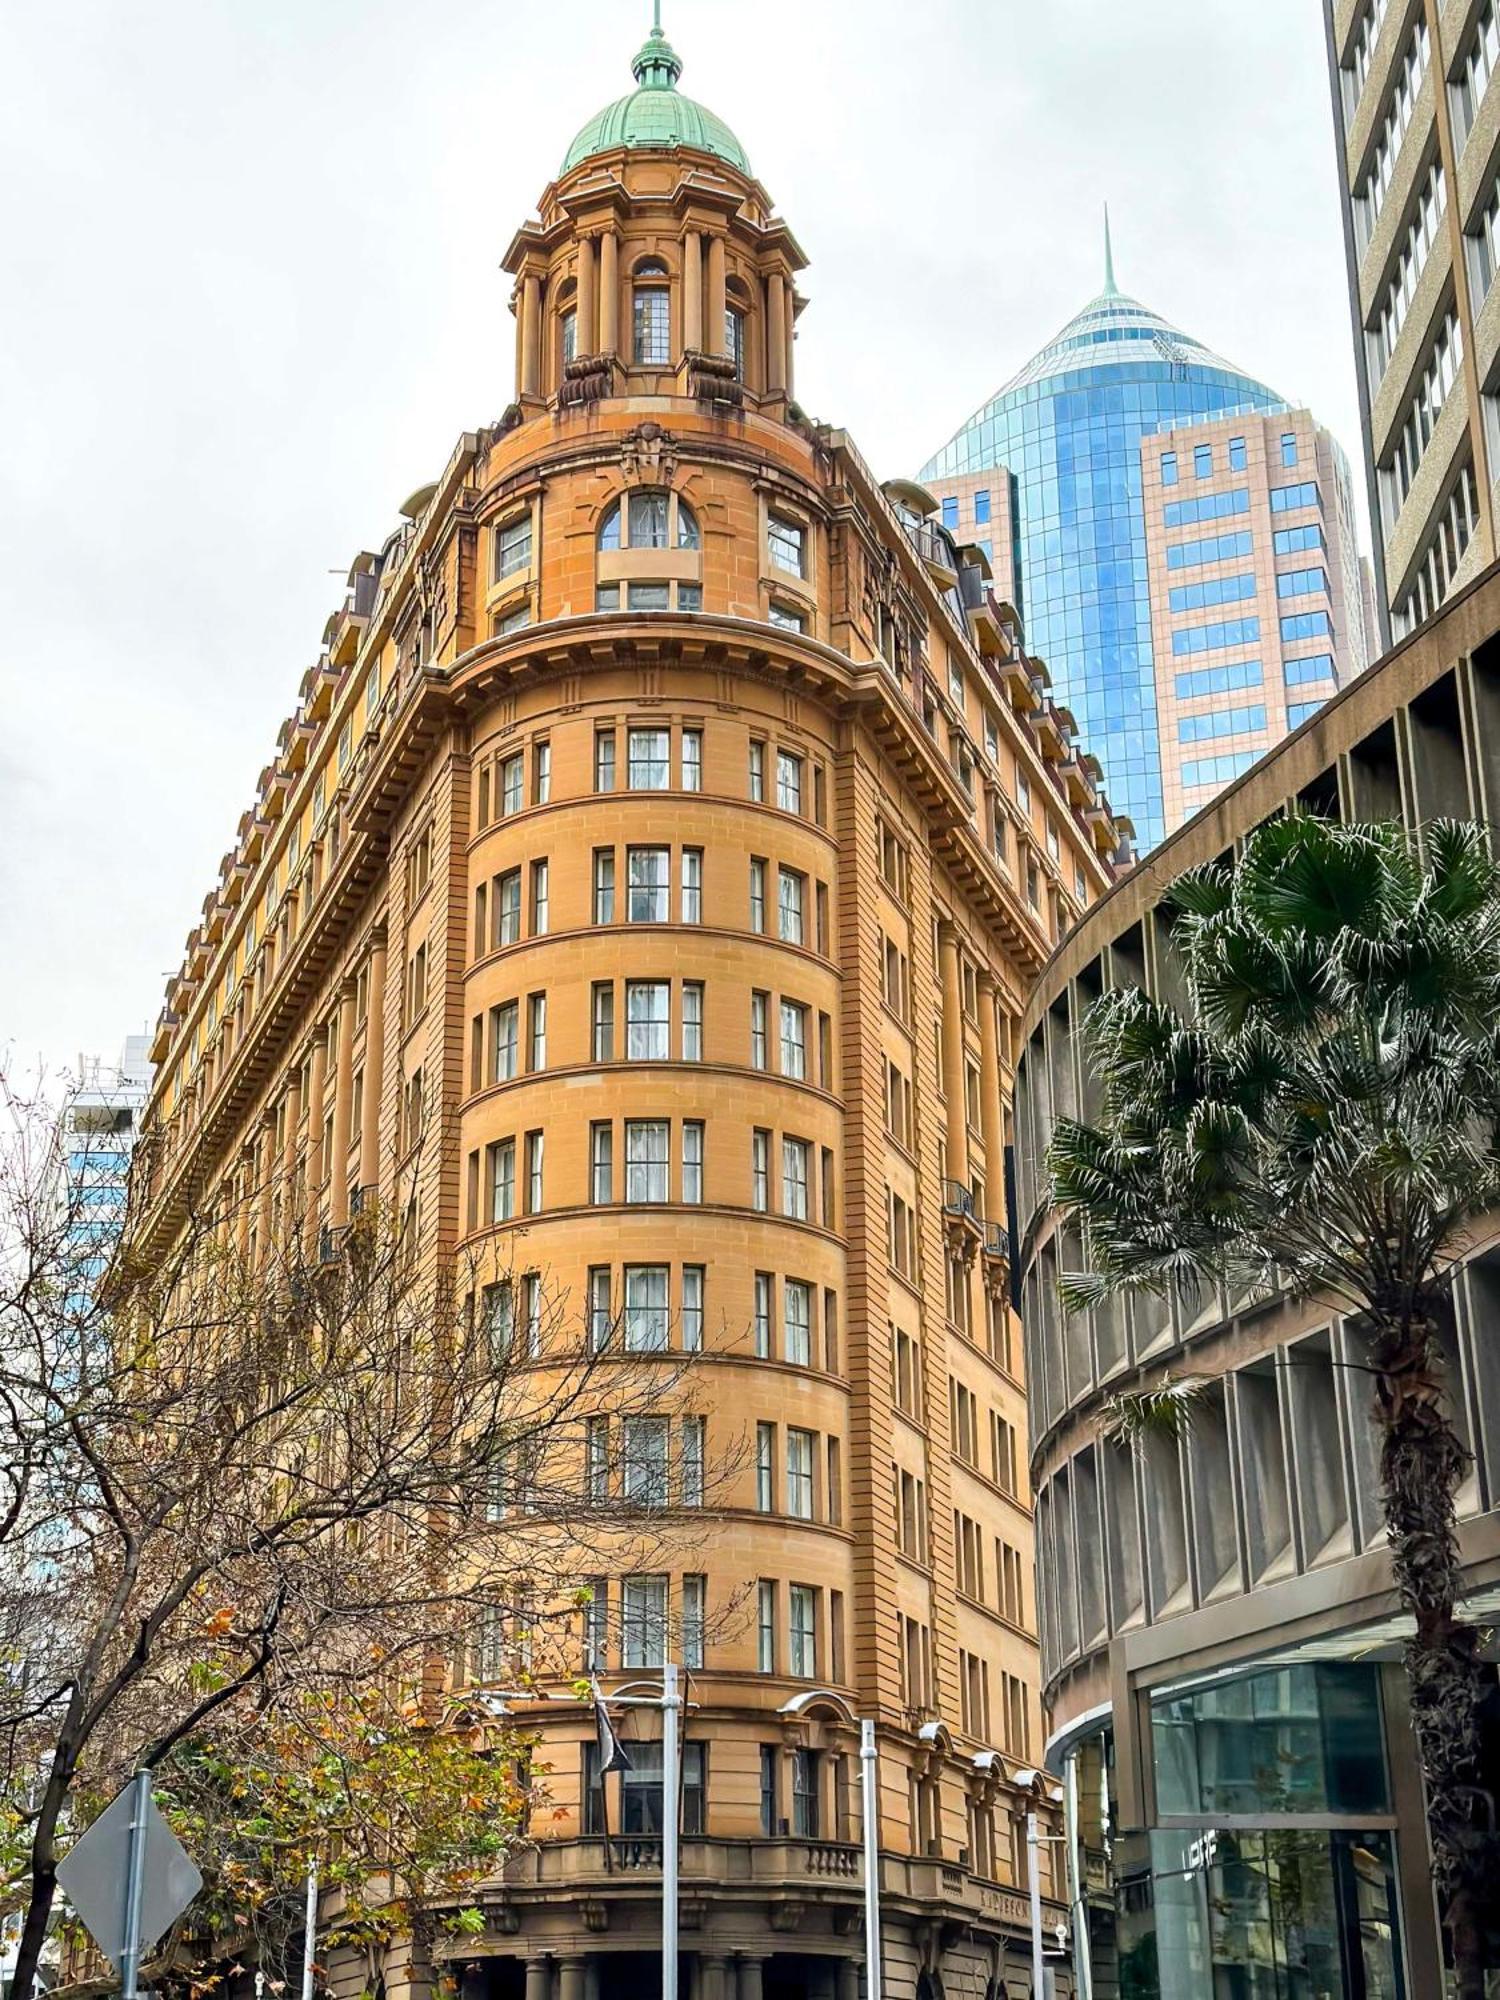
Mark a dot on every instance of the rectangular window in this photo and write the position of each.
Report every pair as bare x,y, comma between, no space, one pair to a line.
647,1144
770,1762
503,1064
1221,722
1306,625
601,1310
784,618
1218,680
982,508
1208,638
648,1022
692,885
540,898
1211,591
604,760
643,1626
795,1155
512,784
757,895
950,511
763,1315
1289,448
798,1323
1287,499
788,544
800,1445
601,1161
788,781
649,885
694,1622
765,1645
536,1144
692,760
1207,507
508,907
536,1036
645,1308
645,1461
757,772
690,1459
692,1020
604,1021
1169,468
692,1308
759,1010
760,1171
1315,667
1237,460
541,773
652,326
765,1468
604,885
802,1654
513,546
596,1458
503,1181
1203,461
692,1160
791,897
649,760
793,1039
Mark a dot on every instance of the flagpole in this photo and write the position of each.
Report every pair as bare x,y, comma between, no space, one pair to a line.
671,1708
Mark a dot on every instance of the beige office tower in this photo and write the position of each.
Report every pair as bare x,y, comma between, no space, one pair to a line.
1260,601
1418,128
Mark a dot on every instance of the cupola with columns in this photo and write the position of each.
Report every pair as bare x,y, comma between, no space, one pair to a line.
658,266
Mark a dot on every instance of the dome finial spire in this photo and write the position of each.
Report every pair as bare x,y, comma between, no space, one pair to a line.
657,65
1111,289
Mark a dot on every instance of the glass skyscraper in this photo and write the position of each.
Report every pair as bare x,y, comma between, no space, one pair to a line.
1068,430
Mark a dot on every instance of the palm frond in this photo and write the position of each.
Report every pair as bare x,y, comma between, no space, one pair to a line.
1163,1413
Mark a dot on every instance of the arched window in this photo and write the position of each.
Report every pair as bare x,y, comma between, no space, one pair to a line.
649,518
652,316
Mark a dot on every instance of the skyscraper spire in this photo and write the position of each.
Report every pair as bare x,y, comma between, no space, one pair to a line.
1111,289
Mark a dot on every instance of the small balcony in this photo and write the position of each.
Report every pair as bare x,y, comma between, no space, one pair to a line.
935,547
961,1224
996,1242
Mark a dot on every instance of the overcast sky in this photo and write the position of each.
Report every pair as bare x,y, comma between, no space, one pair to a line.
251,298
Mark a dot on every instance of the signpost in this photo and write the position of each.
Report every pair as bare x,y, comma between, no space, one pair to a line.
129,1879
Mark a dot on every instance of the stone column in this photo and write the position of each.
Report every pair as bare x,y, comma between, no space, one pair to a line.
369,1124
530,344
571,1978
343,1102
243,1185
692,291
751,1985
955,1146
609,292
587,298
846,1979
538,1979
316,1076
713,341
292,1118
991,1113
265,1166
789,366
776,334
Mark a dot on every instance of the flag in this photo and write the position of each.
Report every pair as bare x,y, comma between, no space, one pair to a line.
612,1753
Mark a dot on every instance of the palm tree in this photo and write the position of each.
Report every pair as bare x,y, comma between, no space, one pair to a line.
1325,1120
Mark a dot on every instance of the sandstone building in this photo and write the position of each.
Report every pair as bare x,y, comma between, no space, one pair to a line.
673,824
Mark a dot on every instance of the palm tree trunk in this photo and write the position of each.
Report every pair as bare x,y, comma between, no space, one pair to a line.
1422,1462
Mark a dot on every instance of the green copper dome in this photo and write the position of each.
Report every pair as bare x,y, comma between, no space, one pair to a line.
656,115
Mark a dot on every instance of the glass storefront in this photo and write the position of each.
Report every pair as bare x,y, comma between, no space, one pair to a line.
1269,1910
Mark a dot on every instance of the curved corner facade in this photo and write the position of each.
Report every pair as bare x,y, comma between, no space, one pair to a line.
642,905
1220,1639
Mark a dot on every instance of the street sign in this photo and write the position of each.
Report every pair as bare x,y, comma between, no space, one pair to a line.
128,1855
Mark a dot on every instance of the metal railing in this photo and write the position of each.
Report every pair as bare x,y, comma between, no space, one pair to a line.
957,1199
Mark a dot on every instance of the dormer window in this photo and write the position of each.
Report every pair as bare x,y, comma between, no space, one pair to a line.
652,316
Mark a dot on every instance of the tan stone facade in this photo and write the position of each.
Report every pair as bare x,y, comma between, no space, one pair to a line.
1282,557
673,826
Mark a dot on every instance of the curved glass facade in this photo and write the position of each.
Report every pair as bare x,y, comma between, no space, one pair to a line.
1068,428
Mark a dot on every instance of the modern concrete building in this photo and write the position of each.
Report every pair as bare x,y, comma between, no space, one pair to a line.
1220,1636
1418,138
671,829
1061,478
101,1123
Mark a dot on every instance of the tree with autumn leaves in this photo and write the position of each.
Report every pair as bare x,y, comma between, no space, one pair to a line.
257,1509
